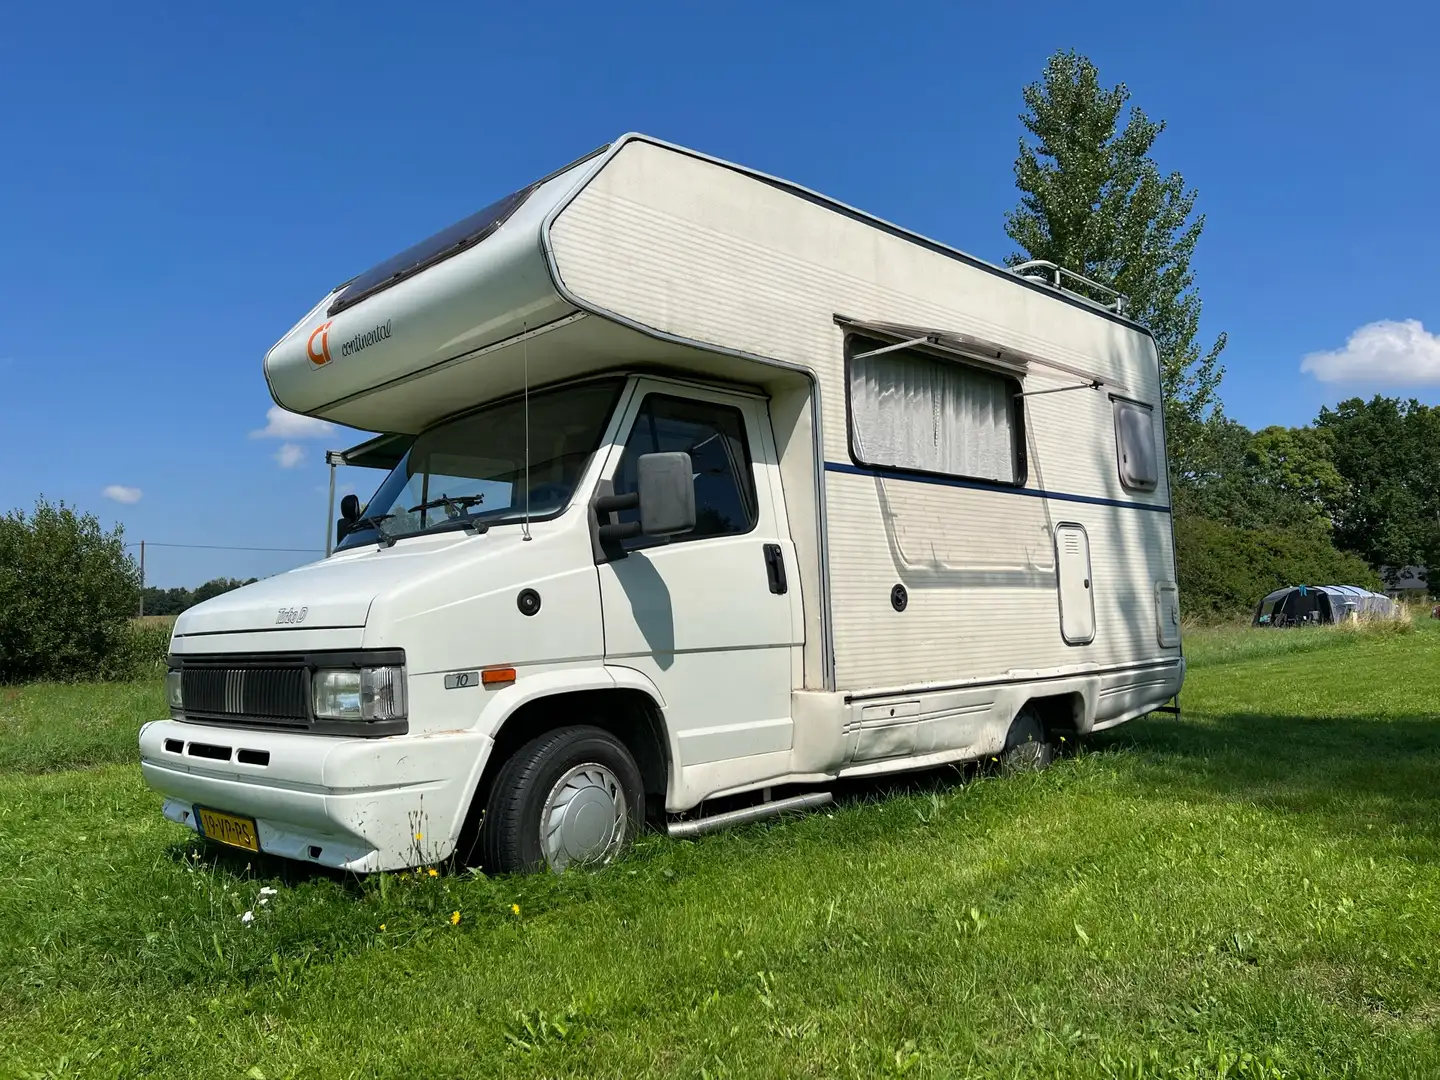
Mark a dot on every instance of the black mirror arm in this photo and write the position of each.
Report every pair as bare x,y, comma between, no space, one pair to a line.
622,530
610,504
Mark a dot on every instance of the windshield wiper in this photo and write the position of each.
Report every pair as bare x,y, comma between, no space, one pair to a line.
370,521
454,507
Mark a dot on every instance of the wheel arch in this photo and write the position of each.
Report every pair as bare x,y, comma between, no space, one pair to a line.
1063,715
626,709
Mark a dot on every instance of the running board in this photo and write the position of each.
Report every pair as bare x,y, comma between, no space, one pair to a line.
748,813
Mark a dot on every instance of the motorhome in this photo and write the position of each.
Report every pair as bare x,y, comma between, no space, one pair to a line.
705,493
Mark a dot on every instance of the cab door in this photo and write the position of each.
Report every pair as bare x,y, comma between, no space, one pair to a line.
710,616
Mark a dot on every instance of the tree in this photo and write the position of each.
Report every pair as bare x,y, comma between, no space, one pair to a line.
1300,463
1258,481
1094,201
67,591
174,601
1388,453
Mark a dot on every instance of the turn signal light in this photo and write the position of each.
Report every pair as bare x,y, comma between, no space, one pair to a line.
499,676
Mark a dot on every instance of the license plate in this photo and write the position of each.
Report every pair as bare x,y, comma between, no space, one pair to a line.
228,829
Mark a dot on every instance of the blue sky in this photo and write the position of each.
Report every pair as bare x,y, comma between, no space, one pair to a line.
179,187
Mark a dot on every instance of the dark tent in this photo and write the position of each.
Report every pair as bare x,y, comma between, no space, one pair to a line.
1298,605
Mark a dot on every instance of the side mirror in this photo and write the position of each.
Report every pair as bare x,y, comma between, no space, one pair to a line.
664,495
667,494
349,513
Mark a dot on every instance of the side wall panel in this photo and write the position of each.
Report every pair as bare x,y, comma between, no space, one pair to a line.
694,249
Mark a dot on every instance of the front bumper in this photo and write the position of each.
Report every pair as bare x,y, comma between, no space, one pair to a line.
360,804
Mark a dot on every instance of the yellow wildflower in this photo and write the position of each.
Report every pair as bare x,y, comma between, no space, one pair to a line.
382,926
434,872
455,918
419,836
515,909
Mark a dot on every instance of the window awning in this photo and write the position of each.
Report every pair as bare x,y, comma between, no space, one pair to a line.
970,349
381,452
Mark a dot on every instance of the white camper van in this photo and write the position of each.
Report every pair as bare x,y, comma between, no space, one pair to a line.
703,485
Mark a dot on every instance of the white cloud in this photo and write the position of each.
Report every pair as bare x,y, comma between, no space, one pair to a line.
122,494
1388,352
289,455
283,424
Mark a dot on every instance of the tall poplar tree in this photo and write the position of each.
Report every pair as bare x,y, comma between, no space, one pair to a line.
1094,201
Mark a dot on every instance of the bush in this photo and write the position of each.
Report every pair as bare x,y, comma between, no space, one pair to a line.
1224,571
141,652
67,591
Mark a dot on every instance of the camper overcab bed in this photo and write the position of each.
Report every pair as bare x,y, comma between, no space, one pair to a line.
707,492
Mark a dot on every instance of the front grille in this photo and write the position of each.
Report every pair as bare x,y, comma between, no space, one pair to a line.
266,694
272,689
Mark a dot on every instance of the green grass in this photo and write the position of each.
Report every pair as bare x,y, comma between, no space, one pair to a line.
1252,891
49,726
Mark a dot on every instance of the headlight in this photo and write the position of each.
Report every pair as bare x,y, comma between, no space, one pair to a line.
173,693
360,694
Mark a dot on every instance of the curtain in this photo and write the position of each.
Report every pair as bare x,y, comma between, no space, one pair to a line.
914,412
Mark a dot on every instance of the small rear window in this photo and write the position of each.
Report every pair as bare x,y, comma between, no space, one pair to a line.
1135,445
445,243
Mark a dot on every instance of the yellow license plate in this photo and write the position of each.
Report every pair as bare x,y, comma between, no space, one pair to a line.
228,829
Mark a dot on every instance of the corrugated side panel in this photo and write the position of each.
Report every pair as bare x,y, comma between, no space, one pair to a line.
695,249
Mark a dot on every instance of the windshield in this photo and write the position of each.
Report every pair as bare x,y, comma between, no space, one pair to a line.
471,470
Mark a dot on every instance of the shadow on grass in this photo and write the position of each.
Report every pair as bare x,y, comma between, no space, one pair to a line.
1356,775
242,865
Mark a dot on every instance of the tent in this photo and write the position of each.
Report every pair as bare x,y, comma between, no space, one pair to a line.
1297,605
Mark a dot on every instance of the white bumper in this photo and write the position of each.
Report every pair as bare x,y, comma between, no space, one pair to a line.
352,804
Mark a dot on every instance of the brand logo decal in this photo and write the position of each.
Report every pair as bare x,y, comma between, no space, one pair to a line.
291,615
365,340
319,357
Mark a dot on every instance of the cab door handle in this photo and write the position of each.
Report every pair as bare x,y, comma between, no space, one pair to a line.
775,569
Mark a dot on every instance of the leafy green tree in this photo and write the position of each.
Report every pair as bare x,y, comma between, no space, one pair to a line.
67,591
1388,453
1094,201
216,587
174,601
1300,463
1239,479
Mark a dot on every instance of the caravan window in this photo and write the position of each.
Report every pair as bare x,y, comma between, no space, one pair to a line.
1135,445
924,414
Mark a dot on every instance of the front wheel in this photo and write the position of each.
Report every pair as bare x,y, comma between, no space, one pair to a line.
569,797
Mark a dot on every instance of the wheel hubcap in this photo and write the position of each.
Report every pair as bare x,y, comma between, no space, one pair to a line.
583,819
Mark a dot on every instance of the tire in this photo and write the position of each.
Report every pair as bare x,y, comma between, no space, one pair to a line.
569,797
1028,747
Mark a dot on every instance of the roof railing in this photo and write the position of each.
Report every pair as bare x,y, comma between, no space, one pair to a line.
1049,273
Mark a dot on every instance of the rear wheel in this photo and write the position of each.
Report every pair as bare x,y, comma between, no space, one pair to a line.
569,797
1027,745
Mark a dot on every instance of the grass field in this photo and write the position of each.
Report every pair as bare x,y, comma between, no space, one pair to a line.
1252,891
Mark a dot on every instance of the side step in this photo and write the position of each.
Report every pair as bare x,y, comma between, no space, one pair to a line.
748,813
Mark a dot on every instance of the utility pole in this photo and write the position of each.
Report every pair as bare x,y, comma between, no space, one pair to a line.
142,579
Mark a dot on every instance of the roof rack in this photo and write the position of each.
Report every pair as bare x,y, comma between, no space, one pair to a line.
1048,273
